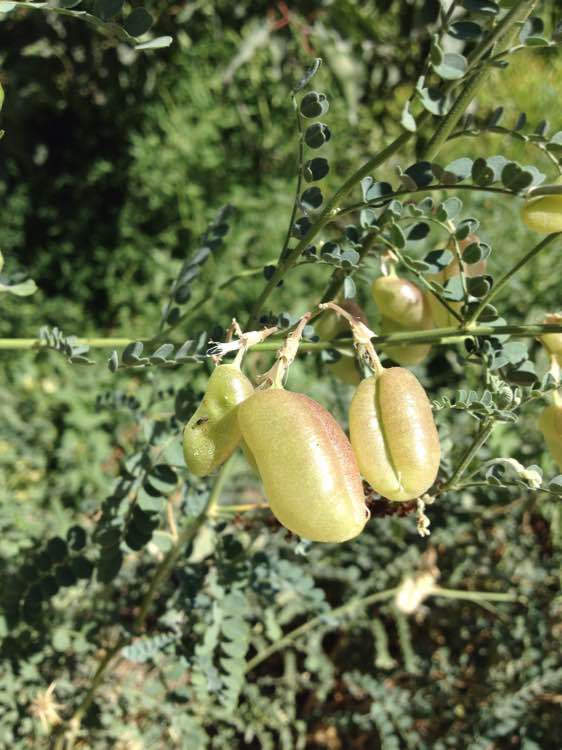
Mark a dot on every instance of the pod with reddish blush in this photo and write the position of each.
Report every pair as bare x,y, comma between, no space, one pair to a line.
393,434
306,464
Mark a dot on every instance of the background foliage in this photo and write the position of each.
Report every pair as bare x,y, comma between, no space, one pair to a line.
114,163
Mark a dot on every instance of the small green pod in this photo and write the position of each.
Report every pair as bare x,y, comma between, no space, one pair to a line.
399,300
212,434
306,464
393,434
550,423
543,214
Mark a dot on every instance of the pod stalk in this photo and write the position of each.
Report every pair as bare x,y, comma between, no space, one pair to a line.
276,375
362,336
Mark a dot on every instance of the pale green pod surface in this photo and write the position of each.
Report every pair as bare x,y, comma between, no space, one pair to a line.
393,434
550,423
306,464
543,214
212,434
400,300
553,341
346,369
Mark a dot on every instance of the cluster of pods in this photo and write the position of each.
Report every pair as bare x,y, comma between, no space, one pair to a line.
311,471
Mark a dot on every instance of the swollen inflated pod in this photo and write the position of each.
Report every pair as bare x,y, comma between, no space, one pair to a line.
304,459
393,434
212,434
399,300
403,308
544,213
442,318
329,327
392,431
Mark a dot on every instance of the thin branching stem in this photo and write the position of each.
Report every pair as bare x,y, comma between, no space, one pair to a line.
434,336
362,603
507,276
68,733
484,432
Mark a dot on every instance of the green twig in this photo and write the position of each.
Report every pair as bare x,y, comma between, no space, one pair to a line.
477,596
434,336
292,635
361,603
481,437
67,734
507,276
94,343
329,212
475,82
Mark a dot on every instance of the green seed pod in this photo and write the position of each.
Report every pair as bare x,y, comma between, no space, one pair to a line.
305,461
393,434
550,423
543,214
212,434
400,300
403,308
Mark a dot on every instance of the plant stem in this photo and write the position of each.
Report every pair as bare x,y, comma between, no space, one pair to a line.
300,167
329,211
448,123
186,535
482,435
74,723
476,596
434,336
483,483
516,15
96,343
305,627
361,603
380,202
163,571
507,276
